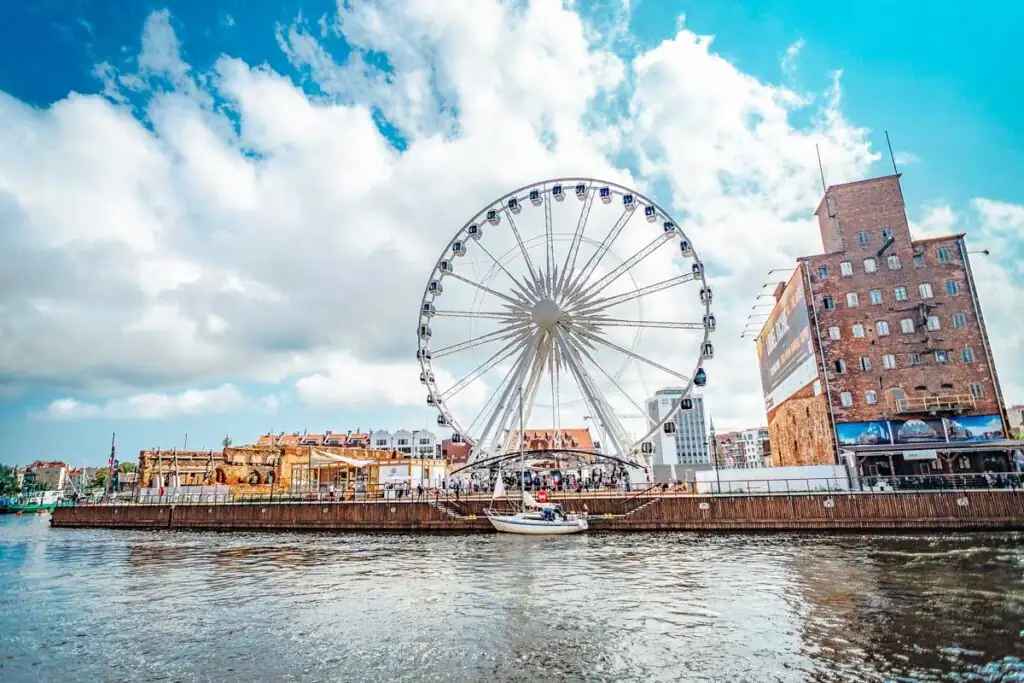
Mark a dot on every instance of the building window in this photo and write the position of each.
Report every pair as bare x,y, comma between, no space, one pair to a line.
846,399
382,442
834,333
933,323
823,273
918,260
925,290
865,364
852,300
952,287
403,442
863,239
883,328
889,361
900,293
886,234
876,296
858,330
941,357
907,326
870,397
959,320
894,262
943,254
828,303
967,354
840,366
846,268
914,358
976,391
869,265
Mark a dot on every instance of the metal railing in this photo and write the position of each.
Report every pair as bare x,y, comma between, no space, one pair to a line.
928,404
628,498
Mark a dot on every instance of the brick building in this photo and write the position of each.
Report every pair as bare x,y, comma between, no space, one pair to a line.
876,350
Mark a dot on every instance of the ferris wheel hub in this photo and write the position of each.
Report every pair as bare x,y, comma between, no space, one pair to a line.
547,314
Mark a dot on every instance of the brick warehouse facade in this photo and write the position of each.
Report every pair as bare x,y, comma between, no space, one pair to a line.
902,369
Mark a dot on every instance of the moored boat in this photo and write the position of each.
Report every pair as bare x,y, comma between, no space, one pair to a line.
536,518
33,503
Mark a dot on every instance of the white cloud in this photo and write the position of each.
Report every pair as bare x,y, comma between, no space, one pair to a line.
280,237
154,406
906,158
789,58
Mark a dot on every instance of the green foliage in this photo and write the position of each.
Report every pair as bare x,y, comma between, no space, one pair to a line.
227,440
99,480
8,481
127,467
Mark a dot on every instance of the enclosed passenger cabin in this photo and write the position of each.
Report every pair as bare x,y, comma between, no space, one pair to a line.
668,226
705,295
513,205
701,378
535,198
493,217
708,351
457,438
686,404
581,192
709,322
459,248
446,267
474,231
435,287
423,354
442,421
628,202
647,448
698,268
430,400
605,193
428,309
651,214
669,427
425,332
685,248
557,192
426,377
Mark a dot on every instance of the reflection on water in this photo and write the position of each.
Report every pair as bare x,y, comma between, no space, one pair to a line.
83,605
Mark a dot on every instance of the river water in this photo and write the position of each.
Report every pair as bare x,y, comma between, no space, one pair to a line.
85,605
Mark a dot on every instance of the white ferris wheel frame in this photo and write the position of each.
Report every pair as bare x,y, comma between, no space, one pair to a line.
525,337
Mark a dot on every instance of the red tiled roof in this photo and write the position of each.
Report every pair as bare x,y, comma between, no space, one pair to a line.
544,439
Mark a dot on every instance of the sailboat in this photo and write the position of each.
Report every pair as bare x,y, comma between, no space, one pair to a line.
535,518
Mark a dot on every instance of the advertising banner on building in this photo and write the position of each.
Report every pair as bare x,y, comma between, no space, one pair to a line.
963,429
973,428
784,349
863,433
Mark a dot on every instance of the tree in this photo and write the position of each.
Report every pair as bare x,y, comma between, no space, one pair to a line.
127,467
8,481
227,440
99,480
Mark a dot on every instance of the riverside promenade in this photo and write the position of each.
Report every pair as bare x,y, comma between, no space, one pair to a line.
644,511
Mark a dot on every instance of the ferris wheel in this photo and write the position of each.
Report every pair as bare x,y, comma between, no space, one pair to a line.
556,308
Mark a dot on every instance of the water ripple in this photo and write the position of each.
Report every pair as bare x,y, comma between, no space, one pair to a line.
89,605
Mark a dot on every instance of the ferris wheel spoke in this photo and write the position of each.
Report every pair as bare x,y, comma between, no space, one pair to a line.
520,304
534,277
512,316
595,260
584,353
532,386
589,292
504,353
522,288
593,398
601,321
592,307
594,338
497,335
504,406
574,247
549,248
553,375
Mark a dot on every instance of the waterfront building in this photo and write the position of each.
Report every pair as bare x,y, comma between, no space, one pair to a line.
876,351
46,475
743,449
1015,414
688,444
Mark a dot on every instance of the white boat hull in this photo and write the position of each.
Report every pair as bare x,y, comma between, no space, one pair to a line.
514,524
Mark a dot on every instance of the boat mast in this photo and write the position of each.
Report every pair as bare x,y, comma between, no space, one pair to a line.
522,438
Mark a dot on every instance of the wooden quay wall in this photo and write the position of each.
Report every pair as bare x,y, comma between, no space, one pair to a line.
996,509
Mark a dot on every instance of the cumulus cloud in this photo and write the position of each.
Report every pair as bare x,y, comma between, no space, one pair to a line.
193,227
155,406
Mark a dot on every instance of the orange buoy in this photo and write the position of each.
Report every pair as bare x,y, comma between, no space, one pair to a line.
542,496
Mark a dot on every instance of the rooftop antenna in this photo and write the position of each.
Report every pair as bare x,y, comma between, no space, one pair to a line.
821,169
892,156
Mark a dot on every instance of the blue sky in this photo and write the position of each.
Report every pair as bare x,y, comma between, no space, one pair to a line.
945,83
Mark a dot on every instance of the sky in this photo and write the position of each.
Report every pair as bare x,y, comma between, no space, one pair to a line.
217,218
